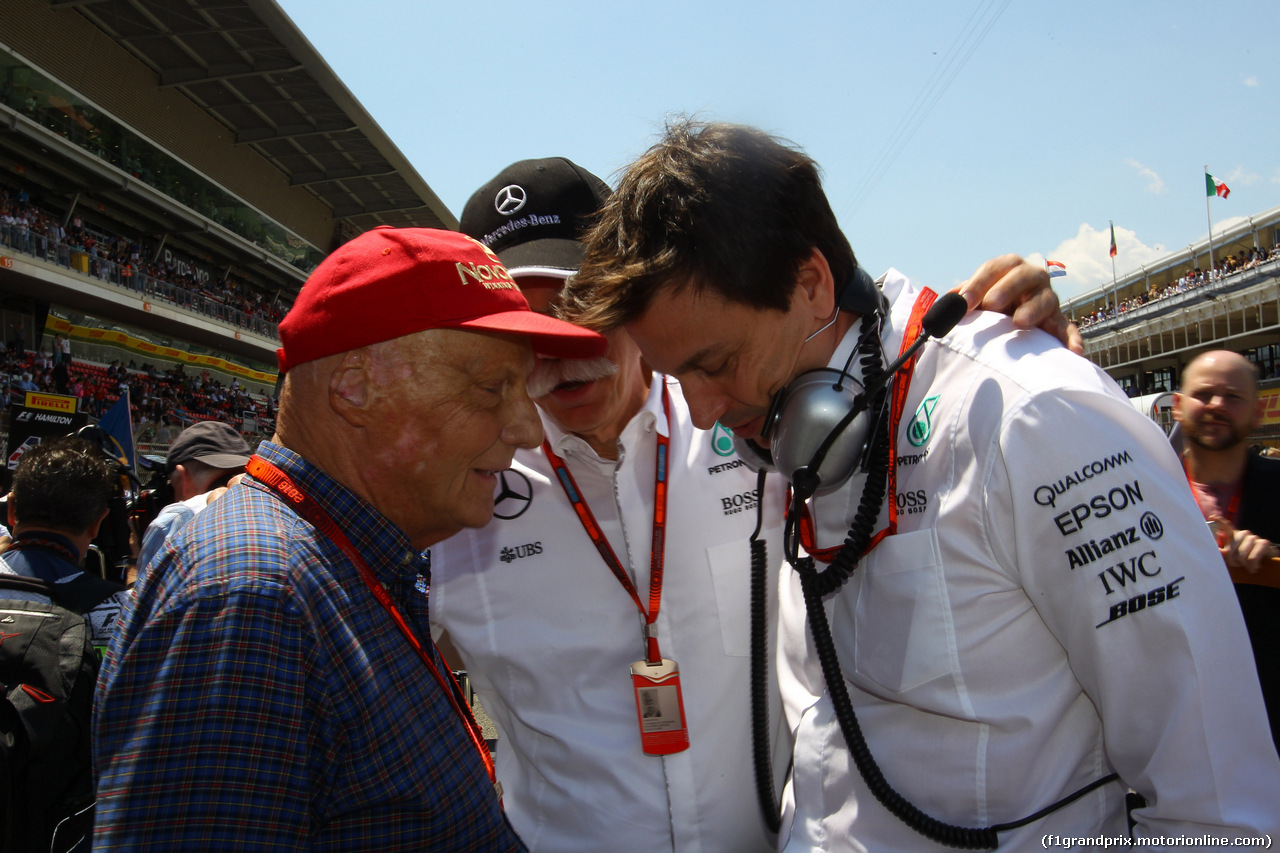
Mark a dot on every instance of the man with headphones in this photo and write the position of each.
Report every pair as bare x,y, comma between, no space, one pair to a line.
551,604
1034,626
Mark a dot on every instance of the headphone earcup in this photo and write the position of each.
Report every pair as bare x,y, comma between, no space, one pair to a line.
812,407
755,457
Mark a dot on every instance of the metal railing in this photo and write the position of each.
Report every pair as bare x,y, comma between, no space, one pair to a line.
1229,282
128,277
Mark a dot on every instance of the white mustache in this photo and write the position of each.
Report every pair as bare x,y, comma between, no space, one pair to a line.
548,373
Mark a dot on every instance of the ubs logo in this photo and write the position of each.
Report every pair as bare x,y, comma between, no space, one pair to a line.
510,199
529,549
515,494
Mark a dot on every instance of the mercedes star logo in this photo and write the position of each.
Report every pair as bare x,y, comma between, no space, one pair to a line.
515,493
509,199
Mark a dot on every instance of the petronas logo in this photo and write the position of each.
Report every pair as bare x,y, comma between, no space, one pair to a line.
721,440
921,426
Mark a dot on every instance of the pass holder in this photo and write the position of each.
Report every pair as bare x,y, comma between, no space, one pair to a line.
659,707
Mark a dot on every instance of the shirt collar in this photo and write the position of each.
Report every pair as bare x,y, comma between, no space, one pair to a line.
49,564
383,545
891,284
643,423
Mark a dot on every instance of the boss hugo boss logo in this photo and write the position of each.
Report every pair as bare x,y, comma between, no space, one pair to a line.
913,502
510,199
514,495
740,502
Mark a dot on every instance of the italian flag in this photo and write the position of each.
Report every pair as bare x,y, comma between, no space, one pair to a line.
1213,186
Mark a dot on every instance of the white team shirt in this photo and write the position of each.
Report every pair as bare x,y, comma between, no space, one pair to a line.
1052,609
548,634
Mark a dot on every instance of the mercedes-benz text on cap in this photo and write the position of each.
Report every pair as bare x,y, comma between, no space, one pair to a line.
534,213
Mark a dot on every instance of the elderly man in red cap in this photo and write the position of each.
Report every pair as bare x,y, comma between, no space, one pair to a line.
274,685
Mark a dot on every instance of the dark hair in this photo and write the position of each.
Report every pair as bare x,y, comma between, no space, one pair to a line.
63,484
713,206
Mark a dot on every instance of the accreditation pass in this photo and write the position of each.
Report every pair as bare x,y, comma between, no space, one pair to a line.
660,707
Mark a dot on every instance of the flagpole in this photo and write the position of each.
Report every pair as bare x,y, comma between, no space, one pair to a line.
1115,287
1209,219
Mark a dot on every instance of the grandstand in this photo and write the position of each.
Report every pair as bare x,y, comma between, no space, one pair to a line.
169,174
1222,292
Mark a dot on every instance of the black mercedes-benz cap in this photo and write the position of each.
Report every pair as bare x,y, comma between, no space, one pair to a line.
533,214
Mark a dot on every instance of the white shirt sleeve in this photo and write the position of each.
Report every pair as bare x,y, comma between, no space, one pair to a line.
1104,533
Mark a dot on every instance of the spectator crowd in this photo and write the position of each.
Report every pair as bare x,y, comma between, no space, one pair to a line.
162,402
131,261
1189,280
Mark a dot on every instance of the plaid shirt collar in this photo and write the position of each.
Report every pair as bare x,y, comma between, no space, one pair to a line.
382,544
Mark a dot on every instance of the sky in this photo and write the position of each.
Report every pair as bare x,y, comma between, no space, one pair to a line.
947,132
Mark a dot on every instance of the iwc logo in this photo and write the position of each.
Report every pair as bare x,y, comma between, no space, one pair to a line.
514,495
509,200
721,440
921,426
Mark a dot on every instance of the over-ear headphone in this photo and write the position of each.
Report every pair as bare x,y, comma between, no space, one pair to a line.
807,411
818,427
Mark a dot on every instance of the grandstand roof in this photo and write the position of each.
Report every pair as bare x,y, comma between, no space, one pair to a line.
247,65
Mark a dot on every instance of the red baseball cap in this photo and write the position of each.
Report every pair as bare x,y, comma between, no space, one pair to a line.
392,282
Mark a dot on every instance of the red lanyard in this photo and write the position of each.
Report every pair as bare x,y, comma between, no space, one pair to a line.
901,387
598,539
280,483
1233,507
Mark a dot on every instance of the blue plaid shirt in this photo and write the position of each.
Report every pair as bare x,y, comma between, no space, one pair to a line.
257,697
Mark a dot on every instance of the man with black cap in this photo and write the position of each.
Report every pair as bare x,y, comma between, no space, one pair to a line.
201,459
551,604
273,684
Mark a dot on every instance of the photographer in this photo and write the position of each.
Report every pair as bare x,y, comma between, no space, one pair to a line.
202,458
61,493
60,498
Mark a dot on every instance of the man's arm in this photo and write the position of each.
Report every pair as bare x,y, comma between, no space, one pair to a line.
1009,285
1113,554
201,740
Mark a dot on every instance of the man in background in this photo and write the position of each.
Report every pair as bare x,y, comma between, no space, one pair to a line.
61,492
1238,492
204,457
